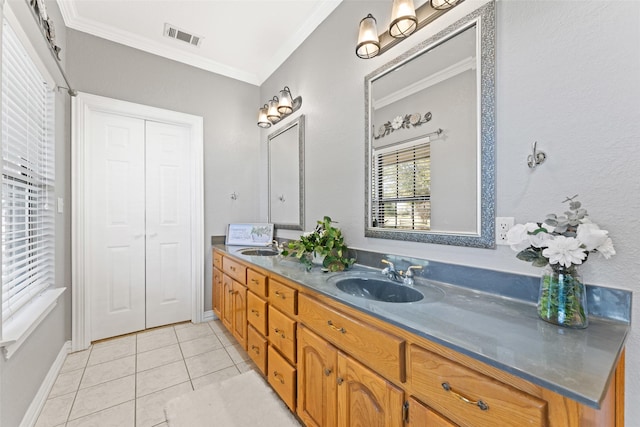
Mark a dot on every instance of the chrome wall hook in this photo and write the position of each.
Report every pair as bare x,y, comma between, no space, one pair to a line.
234,196
536,157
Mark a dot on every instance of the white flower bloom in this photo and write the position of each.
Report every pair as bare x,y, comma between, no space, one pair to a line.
591,236
397,122
540,240
518,235
564,251
606,249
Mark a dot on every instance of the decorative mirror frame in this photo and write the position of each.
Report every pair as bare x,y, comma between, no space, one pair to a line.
484,18
300,122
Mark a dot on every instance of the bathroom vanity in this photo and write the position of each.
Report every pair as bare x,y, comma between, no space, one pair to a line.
458,357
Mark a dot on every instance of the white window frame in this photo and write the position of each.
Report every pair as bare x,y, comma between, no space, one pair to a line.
15,330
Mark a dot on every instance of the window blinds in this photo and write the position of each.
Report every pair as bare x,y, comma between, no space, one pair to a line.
402,187
27,178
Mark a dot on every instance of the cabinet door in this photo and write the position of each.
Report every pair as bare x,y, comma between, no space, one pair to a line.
216,294
421,415
227,302
317,388
365,398
239,320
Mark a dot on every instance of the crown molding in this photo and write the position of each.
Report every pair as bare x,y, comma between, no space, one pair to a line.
76,22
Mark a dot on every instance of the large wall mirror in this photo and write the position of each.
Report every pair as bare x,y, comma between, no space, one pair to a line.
430,162
286,176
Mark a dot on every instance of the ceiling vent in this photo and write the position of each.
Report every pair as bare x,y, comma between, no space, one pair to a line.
174,32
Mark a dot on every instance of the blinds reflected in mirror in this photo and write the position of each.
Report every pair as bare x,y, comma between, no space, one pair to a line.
401,196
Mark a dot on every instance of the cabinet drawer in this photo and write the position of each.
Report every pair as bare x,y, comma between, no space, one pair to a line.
217,260
257,349
283,297
282,333
469,397
234,269
378,349
257,312
282,377
257,283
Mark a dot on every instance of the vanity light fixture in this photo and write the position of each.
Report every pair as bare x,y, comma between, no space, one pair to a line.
278,108
442,4
368,42
405,20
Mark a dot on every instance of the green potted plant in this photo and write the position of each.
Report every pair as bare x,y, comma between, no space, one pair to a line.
325,242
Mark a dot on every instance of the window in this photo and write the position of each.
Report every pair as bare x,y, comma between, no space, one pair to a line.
27,178
401,196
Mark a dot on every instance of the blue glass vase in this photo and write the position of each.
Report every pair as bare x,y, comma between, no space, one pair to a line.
563,298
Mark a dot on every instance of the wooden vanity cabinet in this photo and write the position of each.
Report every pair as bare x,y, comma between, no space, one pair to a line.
317,380
420,415
216,294
336,390
239,310
337,366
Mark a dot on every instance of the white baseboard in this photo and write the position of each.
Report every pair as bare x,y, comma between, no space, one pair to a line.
31,416
209,315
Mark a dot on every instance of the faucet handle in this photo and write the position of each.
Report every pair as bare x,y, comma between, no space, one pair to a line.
391,266
411,268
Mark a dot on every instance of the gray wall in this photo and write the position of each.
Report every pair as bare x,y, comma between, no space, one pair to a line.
567,77
229,108
22,375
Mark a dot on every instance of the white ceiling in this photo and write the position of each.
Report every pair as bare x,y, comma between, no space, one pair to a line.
243,39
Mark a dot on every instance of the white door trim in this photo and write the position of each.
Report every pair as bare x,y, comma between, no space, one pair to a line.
83,104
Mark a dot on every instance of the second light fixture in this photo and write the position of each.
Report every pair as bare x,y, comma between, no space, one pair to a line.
278,108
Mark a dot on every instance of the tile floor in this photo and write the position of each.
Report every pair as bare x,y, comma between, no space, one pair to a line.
127,381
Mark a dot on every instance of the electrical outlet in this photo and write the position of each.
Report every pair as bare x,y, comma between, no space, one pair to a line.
503,224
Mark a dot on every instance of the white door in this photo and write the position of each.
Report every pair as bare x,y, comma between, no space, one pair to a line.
168,218
115,265
140,224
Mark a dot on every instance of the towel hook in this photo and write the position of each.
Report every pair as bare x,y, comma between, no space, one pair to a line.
536,157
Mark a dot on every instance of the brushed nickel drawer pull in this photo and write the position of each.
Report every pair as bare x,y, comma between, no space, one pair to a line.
256,312
254,281
281,295
327,371
256,349
479,403
279,332
278,376
335,328
232,268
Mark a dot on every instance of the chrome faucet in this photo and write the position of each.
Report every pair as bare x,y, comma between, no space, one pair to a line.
398,276
390,271
408,277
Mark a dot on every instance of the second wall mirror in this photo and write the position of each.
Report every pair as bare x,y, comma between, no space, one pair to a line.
286,176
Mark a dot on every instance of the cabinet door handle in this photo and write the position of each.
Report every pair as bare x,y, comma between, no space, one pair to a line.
254,281
279,332
340,380
278,376
327,371
335,328
280,294
479,403
256,312
256,349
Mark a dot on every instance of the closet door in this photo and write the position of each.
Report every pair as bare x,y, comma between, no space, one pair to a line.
168,224
115,236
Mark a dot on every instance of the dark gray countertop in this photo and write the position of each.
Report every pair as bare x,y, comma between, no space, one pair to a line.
500,331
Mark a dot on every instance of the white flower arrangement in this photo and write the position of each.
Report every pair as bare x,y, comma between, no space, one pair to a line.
561,240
